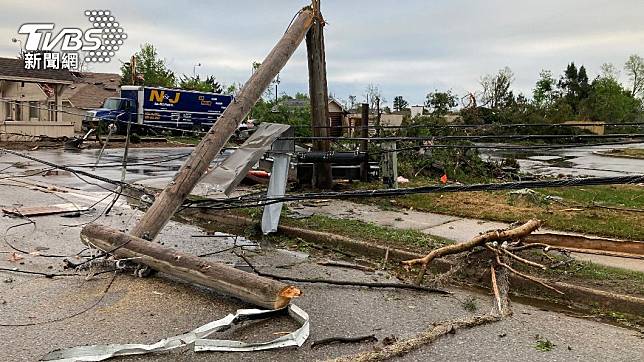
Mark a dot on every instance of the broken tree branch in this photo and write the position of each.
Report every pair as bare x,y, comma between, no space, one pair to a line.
528,277
490,236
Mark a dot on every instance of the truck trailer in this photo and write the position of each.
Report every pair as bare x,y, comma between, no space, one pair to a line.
160,108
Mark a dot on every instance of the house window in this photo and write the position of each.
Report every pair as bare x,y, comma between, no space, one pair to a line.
33,110
7,111
18,106
51,106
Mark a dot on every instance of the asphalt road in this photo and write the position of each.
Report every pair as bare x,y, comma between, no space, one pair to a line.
138,310
578,161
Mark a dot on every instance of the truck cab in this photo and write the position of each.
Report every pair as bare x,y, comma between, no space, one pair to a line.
115,110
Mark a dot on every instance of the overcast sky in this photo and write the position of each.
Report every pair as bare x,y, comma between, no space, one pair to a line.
406,47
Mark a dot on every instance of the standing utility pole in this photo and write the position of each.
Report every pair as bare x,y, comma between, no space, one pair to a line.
364,144
318,92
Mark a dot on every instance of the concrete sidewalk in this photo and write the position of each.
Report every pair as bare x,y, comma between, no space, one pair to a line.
458,229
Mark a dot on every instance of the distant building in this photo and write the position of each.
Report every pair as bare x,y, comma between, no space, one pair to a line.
337,118
48,102
417,111
31,100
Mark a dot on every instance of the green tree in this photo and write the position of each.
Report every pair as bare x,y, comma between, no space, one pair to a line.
209,84
400,103
610,102
634,68
544,93
574,86
441,102
150,69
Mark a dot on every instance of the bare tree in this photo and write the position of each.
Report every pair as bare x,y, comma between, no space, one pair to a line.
634,68
609,71
374,97
496,87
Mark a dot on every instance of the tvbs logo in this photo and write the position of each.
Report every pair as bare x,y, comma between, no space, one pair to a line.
100,42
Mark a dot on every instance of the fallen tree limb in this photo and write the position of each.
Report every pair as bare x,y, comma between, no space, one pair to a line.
254,289
498,235
403,347
341,282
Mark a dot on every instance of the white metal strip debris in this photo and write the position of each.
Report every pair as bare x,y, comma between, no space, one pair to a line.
225,177
277,183
197,336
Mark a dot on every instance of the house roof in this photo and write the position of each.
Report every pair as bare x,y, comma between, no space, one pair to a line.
91,89
13,69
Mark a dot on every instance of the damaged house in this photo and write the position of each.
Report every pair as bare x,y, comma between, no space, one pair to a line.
48,102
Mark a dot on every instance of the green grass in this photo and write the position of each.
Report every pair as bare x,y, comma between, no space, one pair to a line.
627,152
578,210
544,345
185,140
470,304
368,231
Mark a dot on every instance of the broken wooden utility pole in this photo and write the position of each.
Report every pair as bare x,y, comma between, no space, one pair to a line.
364,144
260,291
248,287
197,164
318,92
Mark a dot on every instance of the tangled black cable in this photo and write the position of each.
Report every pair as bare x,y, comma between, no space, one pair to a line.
246,202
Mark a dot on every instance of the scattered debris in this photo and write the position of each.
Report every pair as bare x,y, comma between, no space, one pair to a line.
65,209
342,264
402,180
332,340
14,257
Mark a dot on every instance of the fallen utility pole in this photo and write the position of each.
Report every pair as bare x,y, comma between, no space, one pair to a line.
246,286
252,288
318,92
205,152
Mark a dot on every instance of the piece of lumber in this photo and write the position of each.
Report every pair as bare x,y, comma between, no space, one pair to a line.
167,203
67,209
249,287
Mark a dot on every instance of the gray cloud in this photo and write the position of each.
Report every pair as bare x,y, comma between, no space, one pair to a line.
406,47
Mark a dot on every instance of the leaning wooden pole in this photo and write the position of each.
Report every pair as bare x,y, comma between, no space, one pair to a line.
260,291
167,203
318,92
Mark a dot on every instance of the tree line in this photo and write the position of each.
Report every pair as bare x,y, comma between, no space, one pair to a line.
568,97
571,96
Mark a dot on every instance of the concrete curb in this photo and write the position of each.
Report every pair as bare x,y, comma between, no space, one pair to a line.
587,297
